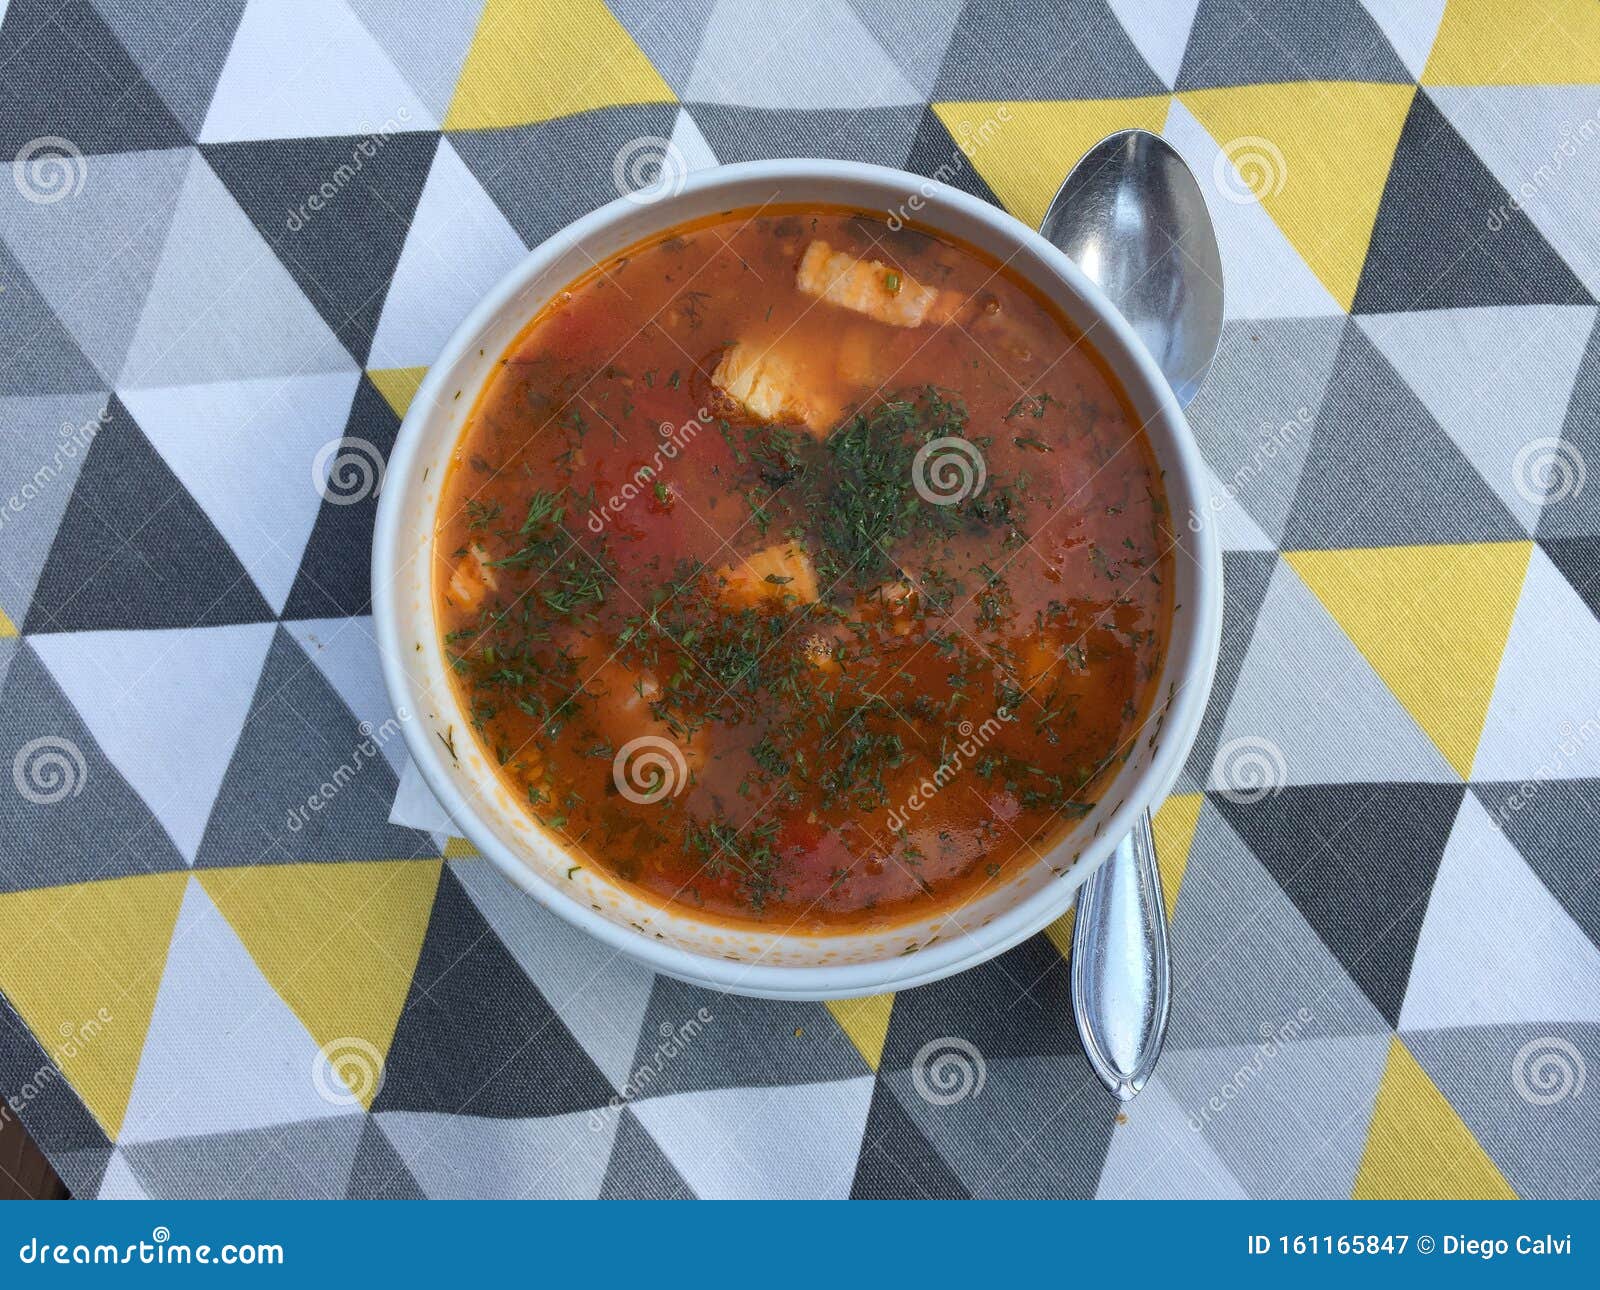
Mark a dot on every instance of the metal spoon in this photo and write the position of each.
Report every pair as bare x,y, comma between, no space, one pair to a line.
1132,217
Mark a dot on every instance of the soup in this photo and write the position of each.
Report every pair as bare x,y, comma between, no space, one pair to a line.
804,570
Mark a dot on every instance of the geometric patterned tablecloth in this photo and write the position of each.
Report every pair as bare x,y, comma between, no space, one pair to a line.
237,233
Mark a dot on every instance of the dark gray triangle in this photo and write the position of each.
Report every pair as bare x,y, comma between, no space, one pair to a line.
882,136
54,1117
1246,575
935,153
305,783
545,176
1359,861
40,356
82,1172
1380,471
1448,236
1018,50
67,76
341,258
1570,511
81,820
638,1170
378,1172
134,550
1578,558
1237,44
476,1037
1554,826
180,49
306,1161
897,1162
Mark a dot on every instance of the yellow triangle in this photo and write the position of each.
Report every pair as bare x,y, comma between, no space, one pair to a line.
1418,1148
82,966
460,849
1024,150
8,629
398,385
535,60
1336,140
866,1022
1174,829
1516,42
1432,621
339,942
1060,931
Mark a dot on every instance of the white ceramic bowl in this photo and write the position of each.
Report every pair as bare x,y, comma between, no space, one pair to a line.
675,940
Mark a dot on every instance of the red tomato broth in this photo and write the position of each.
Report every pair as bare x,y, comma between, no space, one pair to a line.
970,675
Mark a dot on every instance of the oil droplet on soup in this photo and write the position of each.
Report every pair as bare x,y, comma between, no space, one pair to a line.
804,571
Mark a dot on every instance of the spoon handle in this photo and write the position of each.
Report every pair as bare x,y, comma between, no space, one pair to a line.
1121,973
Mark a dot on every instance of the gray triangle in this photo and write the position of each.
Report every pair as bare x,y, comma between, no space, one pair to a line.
54,1116
1571,511
1254,415
1018,50
378,1172
81,1172
881,136
670,37
43,442
298,738
915,36
94,256
559,1157
1333,40
638,1169
1245,964
80,820
1553,825
179,48
310,1160
1506,1083
41,356
1246,575
1380,472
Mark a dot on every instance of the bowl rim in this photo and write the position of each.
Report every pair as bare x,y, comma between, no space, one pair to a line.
1195,671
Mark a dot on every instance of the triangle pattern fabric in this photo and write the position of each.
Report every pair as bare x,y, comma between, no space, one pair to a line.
1157,1155
310,1160
1334,41
468,1157
1558,472
1358,860
42,357
427,40
378,1173
1440,199
1410,26
671,40
638,1170
1554,43
1160,35
1551,826
134,550
881,136
935,152
165,708
897,1162
179,51
55,1113
345,651
1247,577
341,254
307,69
1015,50
916,38
67,76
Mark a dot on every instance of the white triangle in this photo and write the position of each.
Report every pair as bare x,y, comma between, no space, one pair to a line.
118,1181
224,1052
1496,946
415,806
1159,32
222,307
1539,142
244,450
794,1142
1266,278
458,246
1544,718
467,1157
1236,530
1494,379
166,708
1309,709
1156,1154
347,656
690,143
308,68
752,57
1410,25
